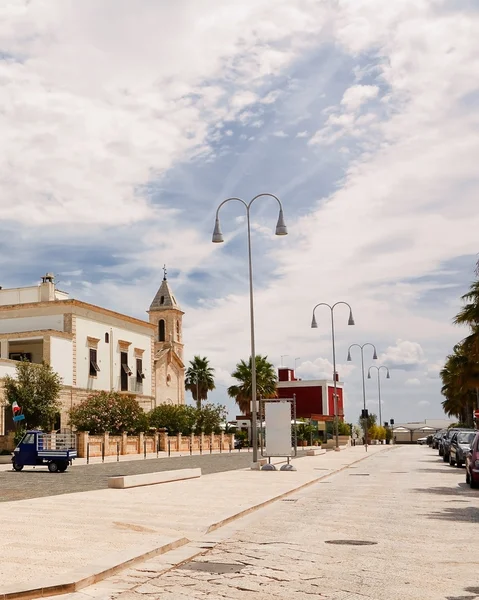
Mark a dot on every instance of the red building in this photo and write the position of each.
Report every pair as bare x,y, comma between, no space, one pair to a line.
314,398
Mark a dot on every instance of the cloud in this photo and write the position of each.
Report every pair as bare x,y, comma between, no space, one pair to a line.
404,355
424,403
414,381
322,368
302,134
357,95
280,134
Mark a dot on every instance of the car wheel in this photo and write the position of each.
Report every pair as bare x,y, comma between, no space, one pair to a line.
458,464
53,467
468,477
444,458
451,462
16,466
472,483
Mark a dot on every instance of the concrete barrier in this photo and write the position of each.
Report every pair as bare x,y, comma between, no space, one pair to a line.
128,481
315,451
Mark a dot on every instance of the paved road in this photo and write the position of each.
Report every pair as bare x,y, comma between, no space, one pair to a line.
34,483
415,517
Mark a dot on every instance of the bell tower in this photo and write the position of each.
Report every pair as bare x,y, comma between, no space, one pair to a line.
167,317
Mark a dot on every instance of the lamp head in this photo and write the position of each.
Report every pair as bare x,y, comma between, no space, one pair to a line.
387,375
349,356
281,228
217,235
351,318
369,374
375,356
314,324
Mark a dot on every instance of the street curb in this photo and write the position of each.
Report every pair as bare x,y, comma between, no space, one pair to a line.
77,580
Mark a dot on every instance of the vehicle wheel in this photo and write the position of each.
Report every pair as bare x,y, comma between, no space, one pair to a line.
468,477
472,483
53,467
16,466
451,462
445,458
458,464
63,467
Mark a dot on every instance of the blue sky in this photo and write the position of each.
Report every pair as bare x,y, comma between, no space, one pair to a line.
124,128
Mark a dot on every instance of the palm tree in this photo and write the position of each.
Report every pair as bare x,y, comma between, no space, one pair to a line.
199,379
266,381
460,377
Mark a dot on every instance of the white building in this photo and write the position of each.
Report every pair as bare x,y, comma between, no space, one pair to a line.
93,348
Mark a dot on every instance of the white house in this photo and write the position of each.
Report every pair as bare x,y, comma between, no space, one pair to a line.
93,348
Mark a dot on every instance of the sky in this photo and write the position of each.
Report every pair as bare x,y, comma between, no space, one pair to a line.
124,125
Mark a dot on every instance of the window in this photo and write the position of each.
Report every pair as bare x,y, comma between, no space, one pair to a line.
29,439
178,330
20,356
107,338
161,330
94,368
162,300
139,370
125,372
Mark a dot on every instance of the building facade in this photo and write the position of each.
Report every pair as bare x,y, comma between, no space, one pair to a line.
314,398
92,348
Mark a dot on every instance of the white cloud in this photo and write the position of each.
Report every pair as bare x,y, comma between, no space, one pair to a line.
413,381
424,403
357,95
322,368
280,134
302,134
403,355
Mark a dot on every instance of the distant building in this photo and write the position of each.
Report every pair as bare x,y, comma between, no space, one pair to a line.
409,433
93,348
314,397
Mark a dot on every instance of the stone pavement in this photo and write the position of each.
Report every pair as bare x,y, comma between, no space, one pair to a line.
58,535
412,516
35,483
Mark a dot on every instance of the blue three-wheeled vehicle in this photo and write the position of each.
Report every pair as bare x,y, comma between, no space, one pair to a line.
38,448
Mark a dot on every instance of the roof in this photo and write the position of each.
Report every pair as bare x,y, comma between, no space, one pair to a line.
164,298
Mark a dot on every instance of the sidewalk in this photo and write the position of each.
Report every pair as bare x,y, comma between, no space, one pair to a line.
76,537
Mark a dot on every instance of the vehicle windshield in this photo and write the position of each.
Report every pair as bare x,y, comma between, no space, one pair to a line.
466,438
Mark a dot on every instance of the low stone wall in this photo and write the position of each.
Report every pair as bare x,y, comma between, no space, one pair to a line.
110,445
7,442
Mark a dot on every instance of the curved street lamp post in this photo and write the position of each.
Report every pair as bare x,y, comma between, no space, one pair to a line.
378,369
217,238
314,325
375,356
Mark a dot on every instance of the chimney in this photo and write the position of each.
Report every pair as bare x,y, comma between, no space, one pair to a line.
47,288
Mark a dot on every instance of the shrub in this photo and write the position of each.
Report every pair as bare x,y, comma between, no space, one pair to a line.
210,417
175,418
109,412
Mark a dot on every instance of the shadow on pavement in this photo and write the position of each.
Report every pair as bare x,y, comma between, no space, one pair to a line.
470,590
454,471
462,489
469,514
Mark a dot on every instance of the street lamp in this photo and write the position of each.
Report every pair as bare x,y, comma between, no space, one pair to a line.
378,369
299,358
375,356
314,325
217,238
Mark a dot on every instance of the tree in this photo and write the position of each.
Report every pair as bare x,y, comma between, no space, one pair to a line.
266,381
175,418
199,379
460,378
210,417
36,389
109,412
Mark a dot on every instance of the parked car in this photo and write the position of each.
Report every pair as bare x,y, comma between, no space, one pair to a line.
472,463
440,443
436,437
446,442
460,446
422,441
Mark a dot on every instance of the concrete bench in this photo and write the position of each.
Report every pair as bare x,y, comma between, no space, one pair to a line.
315,451
130,481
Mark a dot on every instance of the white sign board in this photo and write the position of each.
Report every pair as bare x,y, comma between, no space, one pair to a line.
278,428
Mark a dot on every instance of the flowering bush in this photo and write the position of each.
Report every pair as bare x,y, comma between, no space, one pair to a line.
187,419
109,412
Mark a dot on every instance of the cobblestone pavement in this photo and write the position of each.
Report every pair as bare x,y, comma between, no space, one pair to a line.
413,519
31,483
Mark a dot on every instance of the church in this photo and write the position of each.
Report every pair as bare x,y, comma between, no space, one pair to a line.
93,348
